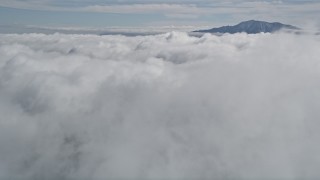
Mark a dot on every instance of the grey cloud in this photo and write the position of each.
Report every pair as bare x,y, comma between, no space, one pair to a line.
163,106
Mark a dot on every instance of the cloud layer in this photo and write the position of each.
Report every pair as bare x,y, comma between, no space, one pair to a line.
164,106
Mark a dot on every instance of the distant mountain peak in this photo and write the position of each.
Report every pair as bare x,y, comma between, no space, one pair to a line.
251,27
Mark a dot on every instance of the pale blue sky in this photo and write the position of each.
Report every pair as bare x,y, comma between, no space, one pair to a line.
142,13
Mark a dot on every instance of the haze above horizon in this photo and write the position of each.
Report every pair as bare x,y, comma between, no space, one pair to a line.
154,13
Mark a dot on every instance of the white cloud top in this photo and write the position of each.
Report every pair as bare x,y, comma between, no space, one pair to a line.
164,106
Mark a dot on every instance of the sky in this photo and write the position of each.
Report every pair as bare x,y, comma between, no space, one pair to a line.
155,13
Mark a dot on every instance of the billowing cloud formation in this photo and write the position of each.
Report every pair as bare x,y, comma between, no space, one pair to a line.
164,106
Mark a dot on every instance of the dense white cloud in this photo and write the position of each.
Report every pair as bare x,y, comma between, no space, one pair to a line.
170,105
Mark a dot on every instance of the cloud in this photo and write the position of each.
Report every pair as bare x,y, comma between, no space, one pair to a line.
144,8
182,16
111,7
197,7
163,106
